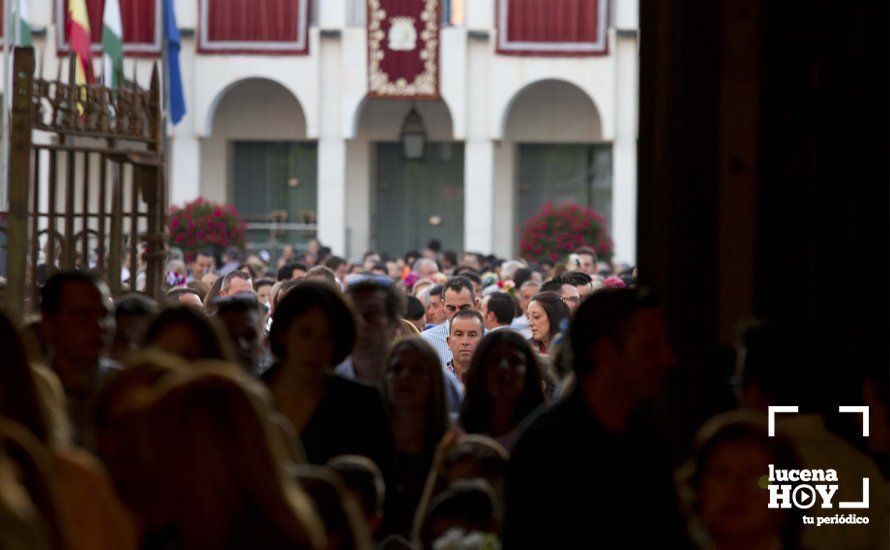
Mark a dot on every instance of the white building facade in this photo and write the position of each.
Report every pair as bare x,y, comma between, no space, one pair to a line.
297,133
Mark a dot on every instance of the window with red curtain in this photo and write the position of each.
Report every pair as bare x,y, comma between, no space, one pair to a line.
140,20
552,27
254,26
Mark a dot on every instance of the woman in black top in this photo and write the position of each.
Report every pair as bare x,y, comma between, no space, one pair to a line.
414,395
503,386
313,330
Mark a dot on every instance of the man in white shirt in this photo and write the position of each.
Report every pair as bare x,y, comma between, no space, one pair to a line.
467,329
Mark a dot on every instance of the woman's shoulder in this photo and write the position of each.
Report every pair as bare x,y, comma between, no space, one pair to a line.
89,504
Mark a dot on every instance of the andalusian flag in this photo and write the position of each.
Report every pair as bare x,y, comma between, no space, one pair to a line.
79,39
113,43
23,29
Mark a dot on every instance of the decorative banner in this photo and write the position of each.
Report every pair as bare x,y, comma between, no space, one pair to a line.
552,27
254,26
403,49
140,20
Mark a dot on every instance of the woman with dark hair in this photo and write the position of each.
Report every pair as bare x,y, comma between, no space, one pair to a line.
414,396
185,331
721,485
503,386
313,330
546,315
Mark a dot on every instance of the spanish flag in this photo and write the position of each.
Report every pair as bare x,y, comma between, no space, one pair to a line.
79,39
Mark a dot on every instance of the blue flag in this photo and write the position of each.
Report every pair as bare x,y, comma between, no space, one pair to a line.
171,35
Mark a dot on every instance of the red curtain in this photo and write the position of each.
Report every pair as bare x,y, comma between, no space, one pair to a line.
554,27
138,17
252,20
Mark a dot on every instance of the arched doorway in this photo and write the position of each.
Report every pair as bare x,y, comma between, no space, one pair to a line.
258,158
412,201
553,152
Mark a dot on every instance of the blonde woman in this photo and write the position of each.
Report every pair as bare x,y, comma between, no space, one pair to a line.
217,477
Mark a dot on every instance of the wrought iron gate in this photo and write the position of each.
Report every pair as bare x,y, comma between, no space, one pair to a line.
86,188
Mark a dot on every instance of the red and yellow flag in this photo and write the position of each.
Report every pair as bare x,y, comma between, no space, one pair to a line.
79,39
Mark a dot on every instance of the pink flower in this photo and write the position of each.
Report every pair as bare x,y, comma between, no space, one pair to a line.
179,238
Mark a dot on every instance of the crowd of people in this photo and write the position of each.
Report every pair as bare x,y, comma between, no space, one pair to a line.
429,402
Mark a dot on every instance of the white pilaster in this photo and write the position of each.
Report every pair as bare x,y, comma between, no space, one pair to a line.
479,196
332,14
185,159
332,193
331,150
624,150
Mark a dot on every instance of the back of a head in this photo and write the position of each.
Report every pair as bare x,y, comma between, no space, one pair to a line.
470,505
488,457
554,285
576,278
785,364
422,263
321,273
173,295
363,478
414,310
586,250
521,275
601,315
508,268
342,520
334,262
393,298
213,293
234,254
51,292
237,304
126,388
135,305
287,270
213,460
503,306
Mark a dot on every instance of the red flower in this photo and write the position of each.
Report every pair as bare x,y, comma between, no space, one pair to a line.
556,230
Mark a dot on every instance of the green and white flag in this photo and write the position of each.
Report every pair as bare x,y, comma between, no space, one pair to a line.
112,43
23,28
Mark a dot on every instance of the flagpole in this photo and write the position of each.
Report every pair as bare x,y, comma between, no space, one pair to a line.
8,35
165,102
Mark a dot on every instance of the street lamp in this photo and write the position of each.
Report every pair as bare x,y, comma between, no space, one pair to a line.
413,136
